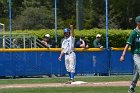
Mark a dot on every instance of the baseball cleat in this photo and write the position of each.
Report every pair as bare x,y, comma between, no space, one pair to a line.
70,81
131,90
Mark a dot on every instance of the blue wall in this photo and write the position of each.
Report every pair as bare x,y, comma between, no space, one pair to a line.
121,67
23,63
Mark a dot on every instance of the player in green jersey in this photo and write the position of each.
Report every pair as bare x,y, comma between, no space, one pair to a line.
134,42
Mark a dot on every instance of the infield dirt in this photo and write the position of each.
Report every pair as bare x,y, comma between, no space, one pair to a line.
90,84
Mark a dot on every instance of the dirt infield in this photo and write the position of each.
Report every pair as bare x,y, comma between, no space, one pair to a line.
91,84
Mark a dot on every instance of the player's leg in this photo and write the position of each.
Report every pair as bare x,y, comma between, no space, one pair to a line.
67,63
136,74
72,65
134,82
67,67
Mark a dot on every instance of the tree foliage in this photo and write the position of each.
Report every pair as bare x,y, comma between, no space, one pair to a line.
34,18
35,15
39,14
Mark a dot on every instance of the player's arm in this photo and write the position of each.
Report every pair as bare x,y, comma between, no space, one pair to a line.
72,30
124,53
82,43
64,50
128,43
61,54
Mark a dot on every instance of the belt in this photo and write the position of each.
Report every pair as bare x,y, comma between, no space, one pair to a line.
68,53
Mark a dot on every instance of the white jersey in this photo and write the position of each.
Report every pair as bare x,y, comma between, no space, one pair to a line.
70,57
68,44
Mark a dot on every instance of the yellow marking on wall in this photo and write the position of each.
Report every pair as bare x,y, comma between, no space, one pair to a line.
55,49
47,49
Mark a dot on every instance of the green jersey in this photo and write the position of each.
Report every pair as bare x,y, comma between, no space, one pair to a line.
134,41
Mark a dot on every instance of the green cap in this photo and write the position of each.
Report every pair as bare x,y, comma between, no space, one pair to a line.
137,19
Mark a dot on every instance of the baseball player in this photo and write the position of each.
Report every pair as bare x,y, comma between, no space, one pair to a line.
68,50
134,42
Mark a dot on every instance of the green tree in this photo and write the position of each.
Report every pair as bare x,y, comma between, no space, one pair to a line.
66,12
16,7
100,9
89,15
4,8
113,18
121,13
35,15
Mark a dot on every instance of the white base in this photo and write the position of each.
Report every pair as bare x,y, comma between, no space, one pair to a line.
79,82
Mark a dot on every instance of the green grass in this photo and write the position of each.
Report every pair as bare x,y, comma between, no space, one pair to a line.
63,79
66,89
70,90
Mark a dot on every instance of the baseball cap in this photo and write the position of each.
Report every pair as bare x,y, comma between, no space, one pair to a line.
47,35
98,35
137,19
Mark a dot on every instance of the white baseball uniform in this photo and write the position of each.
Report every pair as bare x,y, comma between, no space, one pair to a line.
70,57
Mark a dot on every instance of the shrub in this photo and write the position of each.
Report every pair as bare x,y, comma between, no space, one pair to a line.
117,37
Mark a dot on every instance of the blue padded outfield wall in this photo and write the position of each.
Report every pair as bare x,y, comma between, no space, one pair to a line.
121,67
24,62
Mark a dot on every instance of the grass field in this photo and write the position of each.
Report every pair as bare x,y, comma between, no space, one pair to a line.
66,89
70,90
64,79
